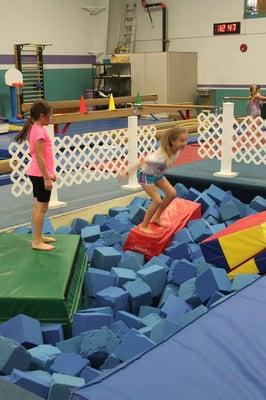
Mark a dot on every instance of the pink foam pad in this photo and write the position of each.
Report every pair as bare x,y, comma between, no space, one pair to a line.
177,215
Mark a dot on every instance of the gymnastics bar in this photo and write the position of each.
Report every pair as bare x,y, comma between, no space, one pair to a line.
235,98
180,108
74,104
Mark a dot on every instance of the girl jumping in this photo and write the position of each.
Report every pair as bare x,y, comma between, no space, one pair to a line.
255,101
151,178
41,169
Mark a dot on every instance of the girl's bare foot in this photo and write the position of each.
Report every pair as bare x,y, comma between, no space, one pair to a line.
49,239
42,246
146,229
158,222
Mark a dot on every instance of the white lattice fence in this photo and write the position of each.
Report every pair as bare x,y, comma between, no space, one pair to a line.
82,158
227,139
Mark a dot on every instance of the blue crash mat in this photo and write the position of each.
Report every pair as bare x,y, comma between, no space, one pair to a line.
221,356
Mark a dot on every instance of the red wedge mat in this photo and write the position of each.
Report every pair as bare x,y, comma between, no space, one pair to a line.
177,215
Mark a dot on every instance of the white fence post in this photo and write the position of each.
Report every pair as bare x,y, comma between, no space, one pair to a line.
227,142
132,154
54,202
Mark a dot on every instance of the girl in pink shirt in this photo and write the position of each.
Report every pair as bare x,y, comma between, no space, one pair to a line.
41,169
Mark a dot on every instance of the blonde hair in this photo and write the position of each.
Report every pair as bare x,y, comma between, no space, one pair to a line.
254,89
167,137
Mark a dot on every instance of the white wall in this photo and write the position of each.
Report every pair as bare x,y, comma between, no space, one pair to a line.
220,61
63,23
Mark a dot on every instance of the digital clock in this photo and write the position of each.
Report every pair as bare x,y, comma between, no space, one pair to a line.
227,28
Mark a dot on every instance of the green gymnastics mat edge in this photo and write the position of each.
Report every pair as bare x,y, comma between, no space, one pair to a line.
44,285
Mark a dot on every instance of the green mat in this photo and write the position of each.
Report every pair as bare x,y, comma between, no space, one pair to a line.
44,285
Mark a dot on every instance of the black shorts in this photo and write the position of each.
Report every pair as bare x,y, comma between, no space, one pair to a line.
39,192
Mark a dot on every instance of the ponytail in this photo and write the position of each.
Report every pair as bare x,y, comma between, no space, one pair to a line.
38,109
22,135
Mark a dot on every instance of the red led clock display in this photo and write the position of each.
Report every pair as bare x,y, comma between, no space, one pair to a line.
227,28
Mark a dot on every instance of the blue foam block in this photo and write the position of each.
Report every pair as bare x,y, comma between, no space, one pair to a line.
136,202
99,219
242,207
52,333
130,320
90,248
138,256
78,224
169,289
44,355
200,230
231,221
117,210
111,237
71,345
192,194
25,330
98,344
174,307
91,233
103,310
205,200
83,322
137,215
182,236
152,320
250,211
229,211
140,294
132,345
188,292
240,281
216,193
212,221
155,277
111,223
123,275
181,190
96,280
210,281
12,355
195,251
178,251
23,230
124,237
156,261
62,386
258,203
146,310
105,258
129,262
163,330
218,228
181,271
69,364
119,328
212,212
215,297
202,266
47,226
43,375
192,316
114,297
111,362
165,259
221,300
31,383
64,230
89,374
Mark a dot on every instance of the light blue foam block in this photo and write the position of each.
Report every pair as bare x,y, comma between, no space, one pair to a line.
24,330
189,293
65,230
91,233
178,251
114,297
111,237
44,355
155,277
229,211
23,230
163,330
181,190
215,297
31,383
258,203
119,328
83,322
133,344
117,210
89,374
192,316
111,362
62,386
140,294
105,258
68,364
240,281
90,247
181,271
216,193
205,200
129,262
71,345
12,355
99,219
138,256
174,308
146,310
151,319
192,194
96,280
156,261
169,289
123,275
78,224
137,215
131,320
182,236
200,230
98,343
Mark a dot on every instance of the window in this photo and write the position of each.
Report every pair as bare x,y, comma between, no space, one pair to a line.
255,8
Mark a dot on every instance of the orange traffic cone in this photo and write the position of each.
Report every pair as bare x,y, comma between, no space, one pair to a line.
82,105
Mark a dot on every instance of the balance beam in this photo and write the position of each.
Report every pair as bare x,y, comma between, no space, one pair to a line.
73,105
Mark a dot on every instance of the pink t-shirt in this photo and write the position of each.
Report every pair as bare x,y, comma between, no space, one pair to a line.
37,132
